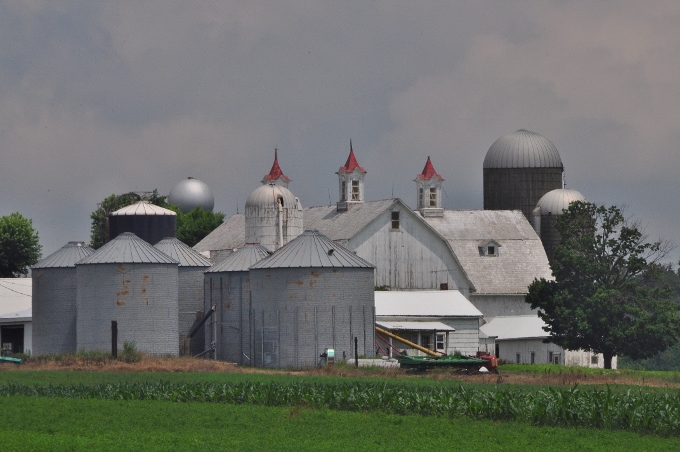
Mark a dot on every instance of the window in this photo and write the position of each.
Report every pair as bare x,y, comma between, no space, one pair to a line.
425,341
533,358
593,360
440,341
414,338
355,190
556,359
433,197
343,191
518,358
395,220
491,250
420,196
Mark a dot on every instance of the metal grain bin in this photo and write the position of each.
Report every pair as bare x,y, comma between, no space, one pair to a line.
54,299
190,294
147,221
227,287
310,295
519,168
133,283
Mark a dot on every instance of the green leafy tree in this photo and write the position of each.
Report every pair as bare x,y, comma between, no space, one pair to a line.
193,226
19,245
606,296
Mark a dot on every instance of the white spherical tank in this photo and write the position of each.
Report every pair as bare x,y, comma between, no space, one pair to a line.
192,193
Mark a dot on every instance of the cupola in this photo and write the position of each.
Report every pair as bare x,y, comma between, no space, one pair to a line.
275,175
351,181
429,185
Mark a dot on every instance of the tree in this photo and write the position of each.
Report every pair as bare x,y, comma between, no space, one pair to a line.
606,296
192,227
19,245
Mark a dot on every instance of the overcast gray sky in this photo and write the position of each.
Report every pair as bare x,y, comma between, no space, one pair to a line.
114,96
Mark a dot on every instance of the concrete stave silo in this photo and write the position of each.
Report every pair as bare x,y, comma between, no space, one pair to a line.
273,216
548,209
311,295
519,169
192,265
227,287
133,283
54,300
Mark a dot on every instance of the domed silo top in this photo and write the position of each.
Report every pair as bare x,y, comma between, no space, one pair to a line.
143,208
127,248
522,149
191,193
268,196
242,259
66,256
555,201
178,250
312,249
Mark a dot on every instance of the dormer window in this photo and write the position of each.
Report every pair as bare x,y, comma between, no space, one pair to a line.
489,248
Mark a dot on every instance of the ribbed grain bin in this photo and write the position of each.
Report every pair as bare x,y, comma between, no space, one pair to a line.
147,221
133,283
190,295
227,287
54,300
310,295
519,168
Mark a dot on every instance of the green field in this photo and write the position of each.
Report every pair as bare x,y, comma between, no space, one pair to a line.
67,410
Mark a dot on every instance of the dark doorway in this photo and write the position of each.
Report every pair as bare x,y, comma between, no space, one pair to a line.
12,339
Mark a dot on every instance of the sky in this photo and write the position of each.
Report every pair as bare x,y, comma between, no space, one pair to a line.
110,97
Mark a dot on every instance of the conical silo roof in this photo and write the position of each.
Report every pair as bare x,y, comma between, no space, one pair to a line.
181,252
66,256
522,149
127,248
312,249
555,201
143,208
242,259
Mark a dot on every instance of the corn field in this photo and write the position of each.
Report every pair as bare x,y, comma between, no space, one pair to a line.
637,411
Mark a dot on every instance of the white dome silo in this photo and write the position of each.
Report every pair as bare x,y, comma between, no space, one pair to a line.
273,216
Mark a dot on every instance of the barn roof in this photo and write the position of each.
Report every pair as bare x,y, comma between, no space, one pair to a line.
66,256
520,259
312,249
230,235
242,259
185,255
127,248
15,299
515,327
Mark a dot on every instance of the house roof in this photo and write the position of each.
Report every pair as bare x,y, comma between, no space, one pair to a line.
66,256
424,303
520,259
127,248
515,327
312,249
415,326
15,299
181,252
242,259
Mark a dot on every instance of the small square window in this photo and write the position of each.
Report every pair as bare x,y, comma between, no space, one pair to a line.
395,220
491,250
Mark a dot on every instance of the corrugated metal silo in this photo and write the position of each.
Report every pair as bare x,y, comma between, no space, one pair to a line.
227,287
190,295
310,295
133,283
54,300
519,168
147,221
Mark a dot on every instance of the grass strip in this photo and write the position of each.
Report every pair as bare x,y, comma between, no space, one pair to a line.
656,413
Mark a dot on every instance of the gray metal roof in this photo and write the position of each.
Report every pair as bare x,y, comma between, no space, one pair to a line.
424,303
521,257
127,248
181,252
522,149
66,256
142,208
242,259
230,235
15,298
415,326
515,327
555,201
312,250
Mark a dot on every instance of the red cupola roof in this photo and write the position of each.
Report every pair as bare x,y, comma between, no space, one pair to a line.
429,172
275,172
351,163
